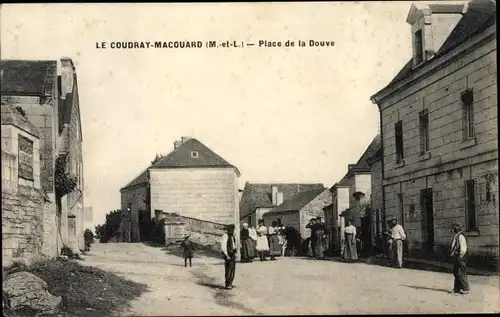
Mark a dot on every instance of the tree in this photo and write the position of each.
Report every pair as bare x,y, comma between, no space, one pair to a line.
111,226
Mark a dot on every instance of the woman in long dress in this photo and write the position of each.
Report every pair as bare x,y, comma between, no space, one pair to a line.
319,241
350,252
253,235
247,248
274,243
262,243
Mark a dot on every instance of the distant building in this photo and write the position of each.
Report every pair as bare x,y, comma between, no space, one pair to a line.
440,132
297,211
192,181
351,198
258,198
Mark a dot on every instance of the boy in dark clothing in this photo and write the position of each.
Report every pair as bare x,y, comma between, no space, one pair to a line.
187,250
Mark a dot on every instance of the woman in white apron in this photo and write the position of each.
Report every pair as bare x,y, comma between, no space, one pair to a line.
262,242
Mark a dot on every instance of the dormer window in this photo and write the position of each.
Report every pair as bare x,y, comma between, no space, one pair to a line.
419,47
194,154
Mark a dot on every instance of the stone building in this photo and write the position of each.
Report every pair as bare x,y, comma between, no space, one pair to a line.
191,181
23,199
350,197
297,211
47,91
257,199
439,130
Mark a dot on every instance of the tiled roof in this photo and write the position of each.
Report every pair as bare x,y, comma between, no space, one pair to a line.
298,201
139,180
257,195
363,164
27,77
480,15
181,157
12,116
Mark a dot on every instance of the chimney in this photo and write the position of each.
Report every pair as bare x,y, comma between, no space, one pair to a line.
177,144
185,138
298,188
274,195
279,198
67,71
349,166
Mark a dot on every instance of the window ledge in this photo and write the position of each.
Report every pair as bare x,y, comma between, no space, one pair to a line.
425,156
468,143
400,163
472,233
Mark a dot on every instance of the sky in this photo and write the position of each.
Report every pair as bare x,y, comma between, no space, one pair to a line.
279,114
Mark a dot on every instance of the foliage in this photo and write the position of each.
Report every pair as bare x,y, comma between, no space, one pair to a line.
65,182
111,226
86,291
88,235
98,232
67,251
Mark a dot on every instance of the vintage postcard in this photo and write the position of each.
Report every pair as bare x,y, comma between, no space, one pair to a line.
284,158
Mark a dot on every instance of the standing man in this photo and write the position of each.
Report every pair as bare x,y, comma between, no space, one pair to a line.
228,246
457,252
397,236
312,225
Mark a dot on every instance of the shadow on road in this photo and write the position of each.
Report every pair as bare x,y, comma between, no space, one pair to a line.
222,296
428,288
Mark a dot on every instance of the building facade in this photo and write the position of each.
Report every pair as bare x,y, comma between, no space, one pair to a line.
191,181
440,132
47,92
258,199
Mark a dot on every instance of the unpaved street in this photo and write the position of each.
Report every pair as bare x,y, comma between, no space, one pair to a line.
286,286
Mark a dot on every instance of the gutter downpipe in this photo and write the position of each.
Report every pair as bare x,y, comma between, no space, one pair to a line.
384,217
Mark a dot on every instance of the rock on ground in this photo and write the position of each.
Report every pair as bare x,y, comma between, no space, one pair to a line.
26,291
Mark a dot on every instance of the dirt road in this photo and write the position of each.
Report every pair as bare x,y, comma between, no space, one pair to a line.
286,286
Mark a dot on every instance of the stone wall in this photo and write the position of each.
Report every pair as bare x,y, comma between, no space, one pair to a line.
22,228
205,233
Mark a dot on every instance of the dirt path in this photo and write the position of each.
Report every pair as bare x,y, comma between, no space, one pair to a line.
173,289
286,286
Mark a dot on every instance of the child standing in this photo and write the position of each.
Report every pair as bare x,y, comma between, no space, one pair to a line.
187,250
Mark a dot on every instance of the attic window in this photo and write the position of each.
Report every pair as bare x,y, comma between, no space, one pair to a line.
194,154
419,47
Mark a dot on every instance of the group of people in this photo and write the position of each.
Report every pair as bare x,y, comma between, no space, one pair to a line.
318,238
262,241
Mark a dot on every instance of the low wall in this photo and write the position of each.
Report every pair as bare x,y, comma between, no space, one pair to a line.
205,233
22,224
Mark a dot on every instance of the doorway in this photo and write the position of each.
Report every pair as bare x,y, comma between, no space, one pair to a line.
427,220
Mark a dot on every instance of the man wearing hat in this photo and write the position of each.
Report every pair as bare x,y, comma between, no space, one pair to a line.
229,247
457,252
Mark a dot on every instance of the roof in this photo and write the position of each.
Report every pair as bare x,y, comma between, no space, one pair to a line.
139,180
181,157
259,195
298,201
25,77
15,116
480,15
363,164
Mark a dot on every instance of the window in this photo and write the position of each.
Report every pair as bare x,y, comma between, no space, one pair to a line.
26,162
419,47
488,191
398,127
194,154
424,131
468,113
401,209
470,205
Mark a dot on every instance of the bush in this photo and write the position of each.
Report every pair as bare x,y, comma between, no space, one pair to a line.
158,234
111,227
